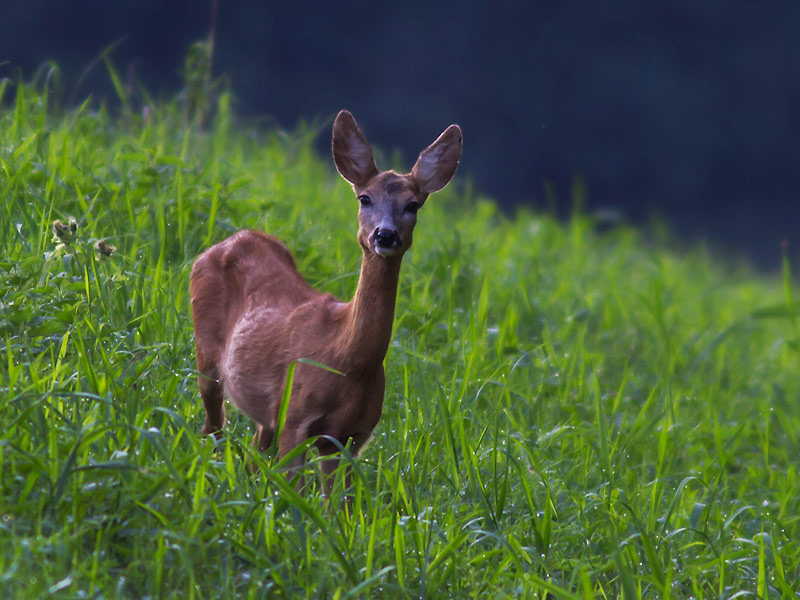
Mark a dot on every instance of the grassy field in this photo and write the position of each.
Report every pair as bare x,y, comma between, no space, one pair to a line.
571,410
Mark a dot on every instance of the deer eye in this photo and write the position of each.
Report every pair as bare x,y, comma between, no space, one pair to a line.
412,207
365,200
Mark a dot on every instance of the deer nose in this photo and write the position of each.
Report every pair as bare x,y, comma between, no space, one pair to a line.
386,238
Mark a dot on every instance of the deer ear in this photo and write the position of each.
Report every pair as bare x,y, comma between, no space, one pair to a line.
437,163
351,151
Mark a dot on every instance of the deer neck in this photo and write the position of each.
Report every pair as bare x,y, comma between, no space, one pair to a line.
370,314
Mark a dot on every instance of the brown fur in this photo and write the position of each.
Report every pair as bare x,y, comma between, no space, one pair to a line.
254,314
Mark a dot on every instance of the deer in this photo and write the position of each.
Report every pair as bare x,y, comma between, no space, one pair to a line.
254,314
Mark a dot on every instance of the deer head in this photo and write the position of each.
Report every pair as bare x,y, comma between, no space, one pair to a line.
389,200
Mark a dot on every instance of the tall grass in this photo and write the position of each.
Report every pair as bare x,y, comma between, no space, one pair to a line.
569,412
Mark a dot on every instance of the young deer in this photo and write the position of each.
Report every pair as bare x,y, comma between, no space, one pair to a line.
254,314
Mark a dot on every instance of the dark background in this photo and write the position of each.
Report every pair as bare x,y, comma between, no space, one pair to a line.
687,110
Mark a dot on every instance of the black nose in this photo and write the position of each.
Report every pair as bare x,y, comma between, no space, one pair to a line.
386,238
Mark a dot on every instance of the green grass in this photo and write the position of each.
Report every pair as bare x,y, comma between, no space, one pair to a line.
570,411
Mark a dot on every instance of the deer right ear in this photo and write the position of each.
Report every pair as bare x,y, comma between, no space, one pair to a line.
351,151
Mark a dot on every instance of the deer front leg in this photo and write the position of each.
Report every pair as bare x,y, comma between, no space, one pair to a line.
330,458
294,433
329,466
263,437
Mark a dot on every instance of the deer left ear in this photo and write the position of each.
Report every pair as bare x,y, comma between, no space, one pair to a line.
437,163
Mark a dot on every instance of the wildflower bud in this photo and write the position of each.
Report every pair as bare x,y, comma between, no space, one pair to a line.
61,230
105,248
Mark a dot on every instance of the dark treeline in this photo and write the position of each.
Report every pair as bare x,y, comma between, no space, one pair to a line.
687,110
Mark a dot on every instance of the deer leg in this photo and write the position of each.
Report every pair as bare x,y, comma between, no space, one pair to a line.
293,434
329,466
211,393
330,460
263,437
209,306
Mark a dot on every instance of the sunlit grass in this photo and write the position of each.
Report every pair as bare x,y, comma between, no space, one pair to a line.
568,412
